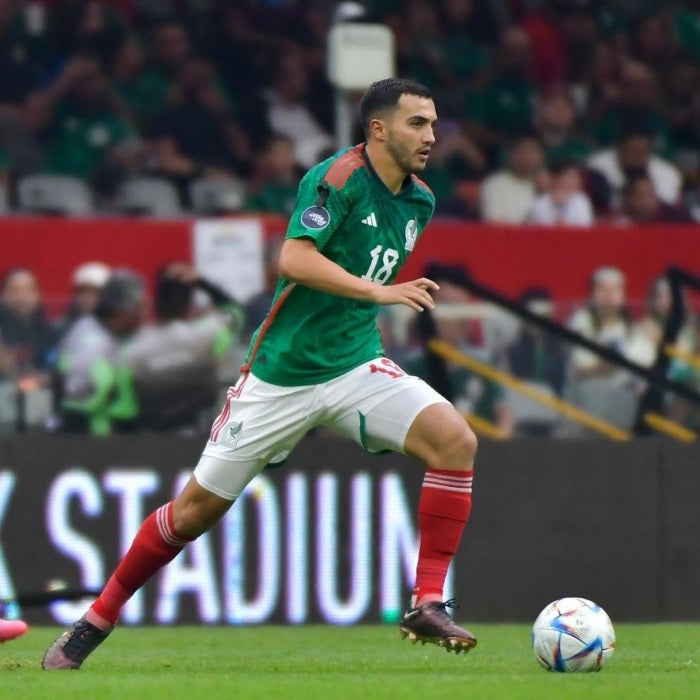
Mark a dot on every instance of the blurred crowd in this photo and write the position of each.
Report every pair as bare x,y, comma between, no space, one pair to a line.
130,354
551,111
120,359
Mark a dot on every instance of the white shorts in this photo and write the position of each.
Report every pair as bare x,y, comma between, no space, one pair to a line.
374,404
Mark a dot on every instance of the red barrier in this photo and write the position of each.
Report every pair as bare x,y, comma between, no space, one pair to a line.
54,247
512,258
508,258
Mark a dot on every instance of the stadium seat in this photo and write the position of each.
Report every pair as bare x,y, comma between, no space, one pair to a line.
54,194
217,196
148,196
609,400
532,417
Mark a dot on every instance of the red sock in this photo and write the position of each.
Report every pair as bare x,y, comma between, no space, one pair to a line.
155,545
443,510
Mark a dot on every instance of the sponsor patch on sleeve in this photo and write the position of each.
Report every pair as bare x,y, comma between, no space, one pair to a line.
315,218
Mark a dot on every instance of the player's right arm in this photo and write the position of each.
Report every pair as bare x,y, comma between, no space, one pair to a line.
300,261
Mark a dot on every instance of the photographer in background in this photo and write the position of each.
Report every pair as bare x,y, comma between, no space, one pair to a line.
171,368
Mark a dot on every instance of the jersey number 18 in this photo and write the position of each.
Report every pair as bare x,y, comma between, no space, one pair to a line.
389,260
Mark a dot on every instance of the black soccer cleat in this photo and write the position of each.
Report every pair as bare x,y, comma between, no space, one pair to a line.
432,623
69,651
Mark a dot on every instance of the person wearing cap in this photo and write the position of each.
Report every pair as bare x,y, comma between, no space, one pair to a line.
89,396
88,280
171,367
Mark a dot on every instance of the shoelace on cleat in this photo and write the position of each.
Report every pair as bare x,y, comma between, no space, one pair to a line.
451,603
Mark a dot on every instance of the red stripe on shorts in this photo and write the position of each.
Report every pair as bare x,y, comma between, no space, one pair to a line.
233,393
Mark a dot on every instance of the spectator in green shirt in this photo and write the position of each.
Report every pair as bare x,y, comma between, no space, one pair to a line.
686,26
80,122
681,106
195,134
638,98
443,55
555,121
277,178
147,88
504,102
147,93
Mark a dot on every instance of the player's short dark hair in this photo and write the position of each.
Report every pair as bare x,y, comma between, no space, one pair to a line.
123,291
384,95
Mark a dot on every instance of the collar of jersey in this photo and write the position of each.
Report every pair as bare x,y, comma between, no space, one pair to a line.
405,190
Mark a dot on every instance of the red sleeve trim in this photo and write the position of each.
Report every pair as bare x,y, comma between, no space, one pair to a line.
422,184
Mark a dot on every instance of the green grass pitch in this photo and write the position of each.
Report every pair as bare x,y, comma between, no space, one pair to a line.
328,663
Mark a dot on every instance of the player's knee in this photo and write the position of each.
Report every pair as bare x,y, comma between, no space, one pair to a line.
471,444
458,448
466,446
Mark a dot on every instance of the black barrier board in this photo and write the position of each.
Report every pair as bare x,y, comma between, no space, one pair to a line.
331,537
679,523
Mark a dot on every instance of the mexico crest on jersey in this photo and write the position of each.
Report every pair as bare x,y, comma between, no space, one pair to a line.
411,233
315,218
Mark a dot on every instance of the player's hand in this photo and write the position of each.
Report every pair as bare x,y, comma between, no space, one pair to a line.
414,294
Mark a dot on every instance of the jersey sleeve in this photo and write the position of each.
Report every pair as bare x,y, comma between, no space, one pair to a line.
320,209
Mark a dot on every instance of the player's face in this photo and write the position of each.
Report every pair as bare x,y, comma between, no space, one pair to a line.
411,132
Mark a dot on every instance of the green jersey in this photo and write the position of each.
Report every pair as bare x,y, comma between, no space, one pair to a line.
309,337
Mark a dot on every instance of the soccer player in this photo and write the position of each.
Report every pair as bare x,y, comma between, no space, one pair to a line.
11,629
317,359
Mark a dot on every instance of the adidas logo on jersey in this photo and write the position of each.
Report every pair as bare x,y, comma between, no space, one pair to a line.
371,220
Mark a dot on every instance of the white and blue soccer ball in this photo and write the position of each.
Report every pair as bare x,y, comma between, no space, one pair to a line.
573,634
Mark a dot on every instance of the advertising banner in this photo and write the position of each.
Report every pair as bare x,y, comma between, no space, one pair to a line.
331,536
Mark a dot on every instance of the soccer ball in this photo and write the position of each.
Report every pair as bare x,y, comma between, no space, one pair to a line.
573,634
